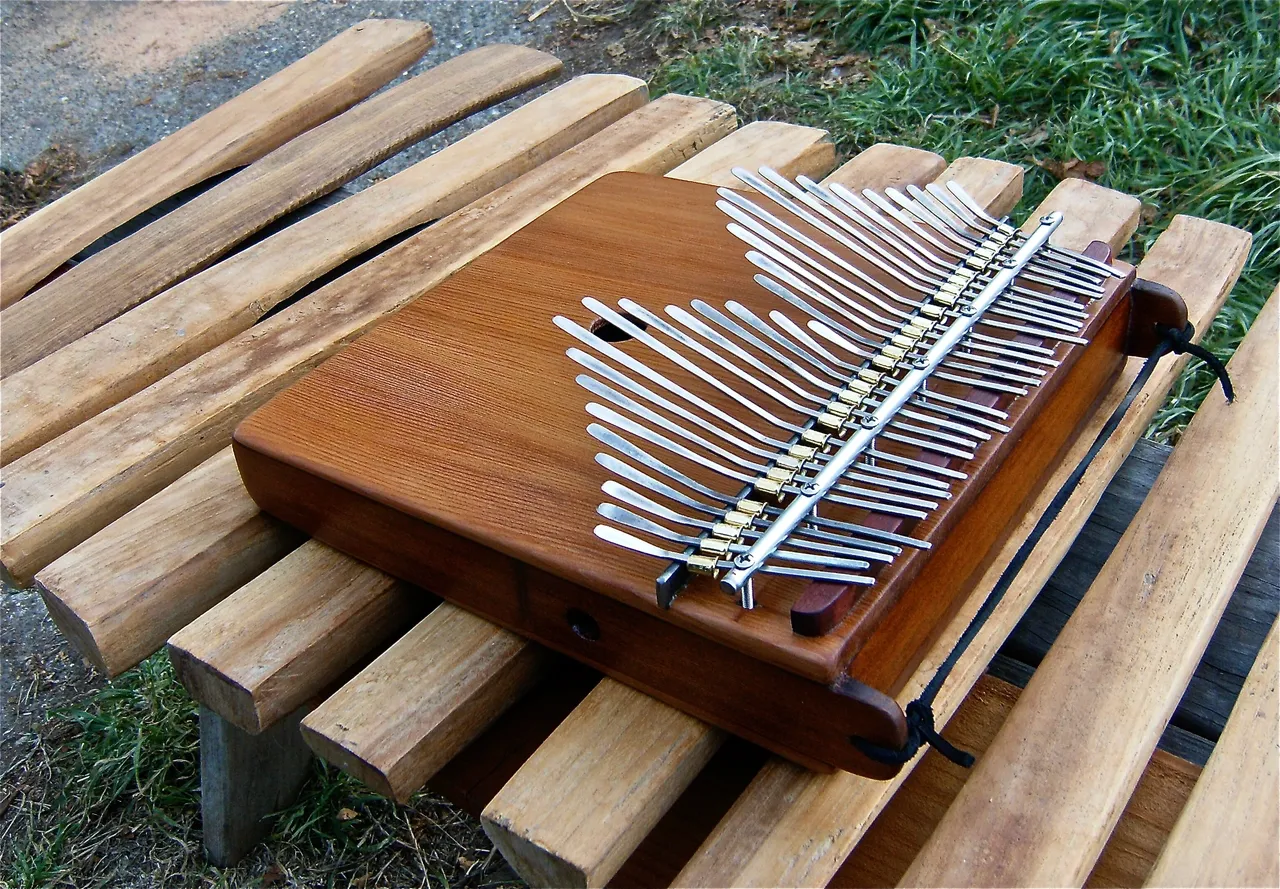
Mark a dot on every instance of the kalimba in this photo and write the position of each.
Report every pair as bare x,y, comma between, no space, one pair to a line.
813,413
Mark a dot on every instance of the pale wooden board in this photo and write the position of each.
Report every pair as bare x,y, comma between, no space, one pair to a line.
1229,833
422,700
914,811
63,492
85,377
993,184
1042,801
186,240
395,737
122,592
245,659
799,826
308,92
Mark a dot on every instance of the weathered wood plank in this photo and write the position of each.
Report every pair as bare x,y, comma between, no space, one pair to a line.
410,732
805,150
63,492
186,240
993,184
244,779
122,592
289,633
131,352
311,90
1043,799
786,808
422,700
1229,833
911,815
553,842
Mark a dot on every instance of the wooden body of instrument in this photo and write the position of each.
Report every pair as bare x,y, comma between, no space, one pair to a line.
447,447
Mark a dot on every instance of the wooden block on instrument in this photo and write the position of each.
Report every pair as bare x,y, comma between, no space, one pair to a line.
129,353
1230,830
66,490
1040,804
792,150
590,787
422,700
311,90
993,184
122,592
195,234
786,807
296,628
1081,201
886,165
415,731
592,857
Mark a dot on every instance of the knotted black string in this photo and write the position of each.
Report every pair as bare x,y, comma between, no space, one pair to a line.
920,726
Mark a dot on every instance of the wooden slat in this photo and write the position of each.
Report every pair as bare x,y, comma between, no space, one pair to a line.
576,828
422,700
885,164
993,184
195,234
246,658
131,352
395,737
63,492
308,92
1229,832
804,150
119,595
914,811
1042,801
787,807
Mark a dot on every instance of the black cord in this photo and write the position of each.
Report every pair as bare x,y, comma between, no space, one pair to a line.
920,717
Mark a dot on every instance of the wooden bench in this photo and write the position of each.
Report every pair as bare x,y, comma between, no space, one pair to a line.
123,502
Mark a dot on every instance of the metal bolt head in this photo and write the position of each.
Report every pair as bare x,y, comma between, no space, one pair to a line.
744,559
810,489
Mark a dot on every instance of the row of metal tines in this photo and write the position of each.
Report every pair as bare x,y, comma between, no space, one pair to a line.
803,387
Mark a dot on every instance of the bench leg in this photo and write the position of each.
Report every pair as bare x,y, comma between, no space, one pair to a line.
243,779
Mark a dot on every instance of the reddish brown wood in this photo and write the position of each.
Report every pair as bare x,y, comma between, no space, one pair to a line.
448,447
1154,307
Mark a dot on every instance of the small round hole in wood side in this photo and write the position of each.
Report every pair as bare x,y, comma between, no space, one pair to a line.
584,626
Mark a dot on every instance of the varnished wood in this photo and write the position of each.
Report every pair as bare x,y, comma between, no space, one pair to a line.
134,350
786,807
65,491
186,240
1040,802
321,84
1230,830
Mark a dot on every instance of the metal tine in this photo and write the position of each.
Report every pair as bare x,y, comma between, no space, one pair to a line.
1029,348
766,263
1072,281
635,500
777,246
597,388
764,328
980,384
639,430
953,362
611,439
617,537
886,237
624,516
1071,256
711,313
870,196
737,330
1015,366
870,549
1032,331
734,197
599,308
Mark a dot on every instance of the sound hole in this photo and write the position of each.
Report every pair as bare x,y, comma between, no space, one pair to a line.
584,626
611,333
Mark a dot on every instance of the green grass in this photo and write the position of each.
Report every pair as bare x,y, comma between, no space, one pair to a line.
1178,100
108,795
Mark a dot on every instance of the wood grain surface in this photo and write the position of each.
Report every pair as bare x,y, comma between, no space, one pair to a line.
134,350
786,808
1043,799
1230,830
195,234
65,491
246,659
321,84
122,592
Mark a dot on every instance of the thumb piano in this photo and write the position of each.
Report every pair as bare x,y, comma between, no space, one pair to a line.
745,450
